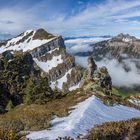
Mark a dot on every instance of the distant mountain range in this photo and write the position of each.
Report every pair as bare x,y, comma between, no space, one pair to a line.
103,36
121,46
119,53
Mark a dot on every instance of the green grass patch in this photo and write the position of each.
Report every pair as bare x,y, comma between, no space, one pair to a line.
122,93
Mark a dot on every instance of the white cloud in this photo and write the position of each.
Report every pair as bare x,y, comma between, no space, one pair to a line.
120,77
82,61
18,20
81,44
103,18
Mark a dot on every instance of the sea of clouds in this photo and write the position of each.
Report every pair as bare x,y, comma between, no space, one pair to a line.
120,77
81,44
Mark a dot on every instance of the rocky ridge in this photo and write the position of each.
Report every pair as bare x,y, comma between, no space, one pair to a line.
119,47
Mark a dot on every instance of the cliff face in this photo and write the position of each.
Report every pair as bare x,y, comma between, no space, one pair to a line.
57,65
119,47
49,54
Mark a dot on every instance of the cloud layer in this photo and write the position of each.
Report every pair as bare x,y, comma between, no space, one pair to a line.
120,77
81,44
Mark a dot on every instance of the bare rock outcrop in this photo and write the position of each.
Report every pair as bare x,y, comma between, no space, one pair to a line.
91,67
99,77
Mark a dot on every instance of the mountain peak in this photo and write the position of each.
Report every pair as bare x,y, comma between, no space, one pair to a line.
27,40
42,34
125,37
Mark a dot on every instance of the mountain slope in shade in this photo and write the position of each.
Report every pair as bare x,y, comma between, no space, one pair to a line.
21,82
85,115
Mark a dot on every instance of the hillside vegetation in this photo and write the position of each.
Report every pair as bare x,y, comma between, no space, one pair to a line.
123,130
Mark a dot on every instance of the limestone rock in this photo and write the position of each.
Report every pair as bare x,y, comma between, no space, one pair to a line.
48,50
119,47
105,80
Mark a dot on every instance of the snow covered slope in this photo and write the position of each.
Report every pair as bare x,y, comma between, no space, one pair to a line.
85,115
24,42
48,65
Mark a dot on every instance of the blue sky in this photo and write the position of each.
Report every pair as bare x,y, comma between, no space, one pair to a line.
71,17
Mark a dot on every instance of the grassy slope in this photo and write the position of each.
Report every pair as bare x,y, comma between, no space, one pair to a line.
37,117
123,93
123,130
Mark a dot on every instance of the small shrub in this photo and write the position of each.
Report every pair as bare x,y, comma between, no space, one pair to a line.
9,134
116,130
9,106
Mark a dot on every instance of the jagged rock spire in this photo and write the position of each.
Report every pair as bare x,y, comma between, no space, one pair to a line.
91,67
96,77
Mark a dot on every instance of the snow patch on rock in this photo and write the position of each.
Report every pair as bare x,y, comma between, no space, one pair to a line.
135,102
28,44
59,83
74,87
127,40
49,64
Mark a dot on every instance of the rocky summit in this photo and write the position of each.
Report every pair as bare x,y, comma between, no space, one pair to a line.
50,56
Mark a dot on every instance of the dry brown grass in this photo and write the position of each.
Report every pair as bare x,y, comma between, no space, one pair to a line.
123,130
8,134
